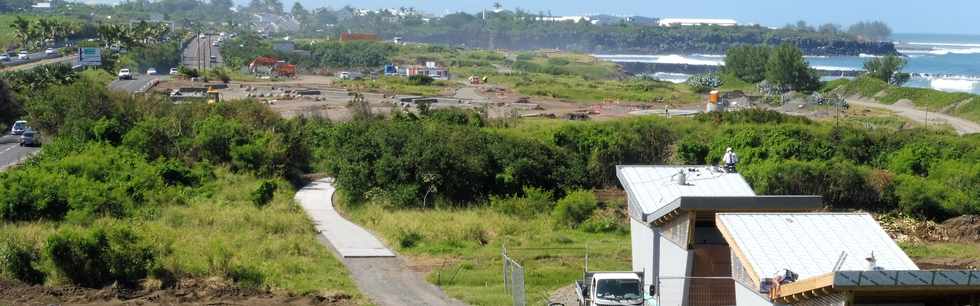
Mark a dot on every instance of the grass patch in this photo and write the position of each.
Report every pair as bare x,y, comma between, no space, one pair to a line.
465,247
942,250
964,105
396,85
219,232
579,89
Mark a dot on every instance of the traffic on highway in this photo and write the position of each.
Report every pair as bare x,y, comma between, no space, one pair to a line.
19,143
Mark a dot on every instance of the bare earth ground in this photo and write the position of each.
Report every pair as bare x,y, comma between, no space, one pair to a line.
906,110
186,292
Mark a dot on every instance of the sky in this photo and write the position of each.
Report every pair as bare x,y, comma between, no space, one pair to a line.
930,16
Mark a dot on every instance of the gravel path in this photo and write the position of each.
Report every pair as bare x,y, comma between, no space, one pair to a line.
961,125
379,274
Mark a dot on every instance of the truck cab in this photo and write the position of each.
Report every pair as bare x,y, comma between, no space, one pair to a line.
611,289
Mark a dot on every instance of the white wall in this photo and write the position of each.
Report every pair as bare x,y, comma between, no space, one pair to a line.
747,297
642,249
675,261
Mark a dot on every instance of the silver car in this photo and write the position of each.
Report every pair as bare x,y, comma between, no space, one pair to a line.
30,138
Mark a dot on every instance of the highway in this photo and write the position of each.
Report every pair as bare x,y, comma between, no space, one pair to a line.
11,153
139,83
198,52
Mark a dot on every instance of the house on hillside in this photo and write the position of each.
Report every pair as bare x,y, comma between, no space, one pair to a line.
270,66
348,36
703,237
430,69
672,22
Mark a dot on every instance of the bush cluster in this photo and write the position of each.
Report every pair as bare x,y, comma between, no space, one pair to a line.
101,256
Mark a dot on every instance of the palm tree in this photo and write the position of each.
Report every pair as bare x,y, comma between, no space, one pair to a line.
22,30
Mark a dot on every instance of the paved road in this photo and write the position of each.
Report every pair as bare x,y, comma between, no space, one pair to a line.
139,83
198,52
961,125
42,60
11,153
377,271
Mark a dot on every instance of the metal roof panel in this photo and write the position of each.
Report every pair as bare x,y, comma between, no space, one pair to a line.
810,243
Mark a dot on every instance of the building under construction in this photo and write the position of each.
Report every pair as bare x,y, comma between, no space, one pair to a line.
704,238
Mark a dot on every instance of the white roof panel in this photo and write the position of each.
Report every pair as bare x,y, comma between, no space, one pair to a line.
810,243
652,187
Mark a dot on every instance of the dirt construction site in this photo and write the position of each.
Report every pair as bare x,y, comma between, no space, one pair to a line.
318,96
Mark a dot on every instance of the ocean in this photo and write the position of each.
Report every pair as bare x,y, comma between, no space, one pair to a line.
939,61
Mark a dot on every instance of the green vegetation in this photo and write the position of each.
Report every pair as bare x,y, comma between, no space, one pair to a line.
887,69
788,69
747,63
963,105
396,85
703,83
30,32
870,30
519,30
464,245
126,187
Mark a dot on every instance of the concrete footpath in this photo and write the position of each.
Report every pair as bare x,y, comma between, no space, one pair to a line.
378,272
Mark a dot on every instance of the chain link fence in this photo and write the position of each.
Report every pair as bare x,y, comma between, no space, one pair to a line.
514,280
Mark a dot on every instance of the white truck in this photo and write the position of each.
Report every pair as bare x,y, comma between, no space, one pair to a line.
611,289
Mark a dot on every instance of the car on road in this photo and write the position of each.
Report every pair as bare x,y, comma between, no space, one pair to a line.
124,74
23,55
51,52
151,71
173,71
214,59
30,138
19,127
4,57
201,36
214,44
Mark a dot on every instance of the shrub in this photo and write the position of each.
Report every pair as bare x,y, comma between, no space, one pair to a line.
419,79
19,260
609,219
702,83
263,194
409,238
97,257
575,208
246,276
535,201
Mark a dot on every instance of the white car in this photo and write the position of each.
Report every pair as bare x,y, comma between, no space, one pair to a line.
23,55
124,74
50,52
151,71
201,36
4,57
214,44
18,128
173,71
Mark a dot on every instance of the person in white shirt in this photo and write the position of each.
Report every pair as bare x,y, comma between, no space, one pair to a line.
730,159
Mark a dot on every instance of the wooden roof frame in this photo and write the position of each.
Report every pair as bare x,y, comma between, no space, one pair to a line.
834,282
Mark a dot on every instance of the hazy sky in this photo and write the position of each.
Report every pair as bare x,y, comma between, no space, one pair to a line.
932,16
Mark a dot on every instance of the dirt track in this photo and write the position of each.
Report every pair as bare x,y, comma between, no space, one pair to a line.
961,125
187,292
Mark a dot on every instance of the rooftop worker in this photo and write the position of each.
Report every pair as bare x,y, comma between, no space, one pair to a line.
730,159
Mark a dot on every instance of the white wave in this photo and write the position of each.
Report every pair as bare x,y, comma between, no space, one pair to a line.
709,55
834,68
944,44
676,78
864,55
958,85
942,51
816,56
659,59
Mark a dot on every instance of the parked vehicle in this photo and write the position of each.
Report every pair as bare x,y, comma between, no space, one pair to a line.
214,44
173,71
214,59
4,57
151,71
124,74
18,128
30,138
23,55
611,288
51,52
